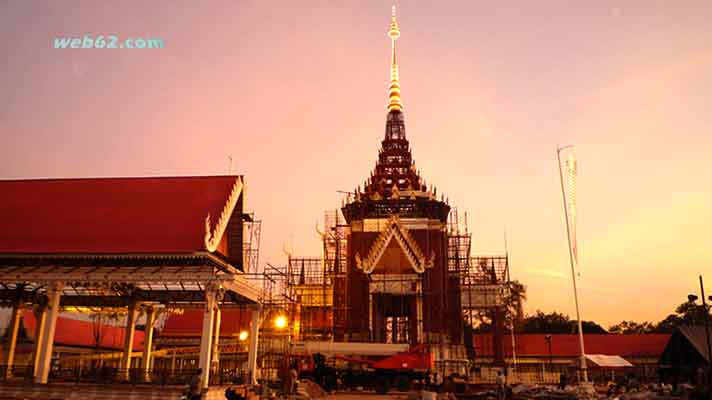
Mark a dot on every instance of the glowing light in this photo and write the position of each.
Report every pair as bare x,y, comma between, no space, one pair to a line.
243,336
280,322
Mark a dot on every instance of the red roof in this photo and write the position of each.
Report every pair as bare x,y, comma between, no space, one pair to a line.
110,215
72,332
645,345
190,322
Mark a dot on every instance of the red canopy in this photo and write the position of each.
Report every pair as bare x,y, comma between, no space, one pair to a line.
72,332
190,322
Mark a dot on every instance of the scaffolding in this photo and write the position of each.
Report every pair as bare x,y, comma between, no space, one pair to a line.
251,243
318,284
484,279
334,238
278,300
312,292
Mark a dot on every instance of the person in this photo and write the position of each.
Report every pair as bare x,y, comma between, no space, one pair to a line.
231,394
293,379
701,376
194,385
436,381
563,381
500,385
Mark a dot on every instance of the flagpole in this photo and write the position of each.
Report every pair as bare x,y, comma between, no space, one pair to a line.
582,356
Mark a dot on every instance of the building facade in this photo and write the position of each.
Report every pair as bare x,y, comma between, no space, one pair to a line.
396,272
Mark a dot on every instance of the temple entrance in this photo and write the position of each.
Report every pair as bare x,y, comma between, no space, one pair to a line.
397,330
394,318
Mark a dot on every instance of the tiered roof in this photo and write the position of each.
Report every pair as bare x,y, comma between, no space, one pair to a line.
395,185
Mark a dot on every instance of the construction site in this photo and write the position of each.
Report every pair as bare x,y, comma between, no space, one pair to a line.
396,274
385,304
396,271
313,293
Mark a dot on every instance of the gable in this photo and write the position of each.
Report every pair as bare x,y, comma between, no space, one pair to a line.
393,260
394,251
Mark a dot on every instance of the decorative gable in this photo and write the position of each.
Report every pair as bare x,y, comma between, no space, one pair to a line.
393,247
214,234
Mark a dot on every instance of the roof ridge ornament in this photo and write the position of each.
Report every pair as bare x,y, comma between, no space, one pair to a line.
214,234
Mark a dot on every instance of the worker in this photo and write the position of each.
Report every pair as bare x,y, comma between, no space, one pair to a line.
293,378
500,386
563,381
437,381
195,391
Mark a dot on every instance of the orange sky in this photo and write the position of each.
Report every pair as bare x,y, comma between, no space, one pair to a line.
296,93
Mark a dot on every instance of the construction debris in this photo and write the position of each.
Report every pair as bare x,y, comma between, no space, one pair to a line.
580,392
310,390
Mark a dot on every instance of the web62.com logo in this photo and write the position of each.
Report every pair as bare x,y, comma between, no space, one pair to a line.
106,42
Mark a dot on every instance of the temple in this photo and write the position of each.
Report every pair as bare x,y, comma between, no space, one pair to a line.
396,265
397,244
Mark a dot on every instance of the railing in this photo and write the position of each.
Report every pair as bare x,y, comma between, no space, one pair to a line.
17,372
107,374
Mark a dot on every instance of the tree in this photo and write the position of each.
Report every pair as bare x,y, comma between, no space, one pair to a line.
555,322
632,327
589,327
687,313
540,322
669,324
514,300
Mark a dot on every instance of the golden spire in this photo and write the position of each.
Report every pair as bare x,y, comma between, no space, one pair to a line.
394,102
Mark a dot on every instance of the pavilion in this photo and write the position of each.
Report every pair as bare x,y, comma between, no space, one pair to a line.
124,243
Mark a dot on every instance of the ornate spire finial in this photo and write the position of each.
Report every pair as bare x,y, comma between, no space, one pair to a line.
394,102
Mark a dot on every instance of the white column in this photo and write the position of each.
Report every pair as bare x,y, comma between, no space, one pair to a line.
207,335
371,333
12,344
148,342
173,363
54,293
130,330
419,311
254,337
39,329
215,358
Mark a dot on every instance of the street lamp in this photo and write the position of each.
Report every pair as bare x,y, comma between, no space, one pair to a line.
280,322
243,336
551,360
706,311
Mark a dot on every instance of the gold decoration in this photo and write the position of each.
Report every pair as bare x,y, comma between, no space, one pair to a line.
214,234
395,230
394,101
395,193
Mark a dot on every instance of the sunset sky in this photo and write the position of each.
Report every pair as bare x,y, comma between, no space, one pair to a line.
295,92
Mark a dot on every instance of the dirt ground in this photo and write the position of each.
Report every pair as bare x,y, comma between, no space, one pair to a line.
366,396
